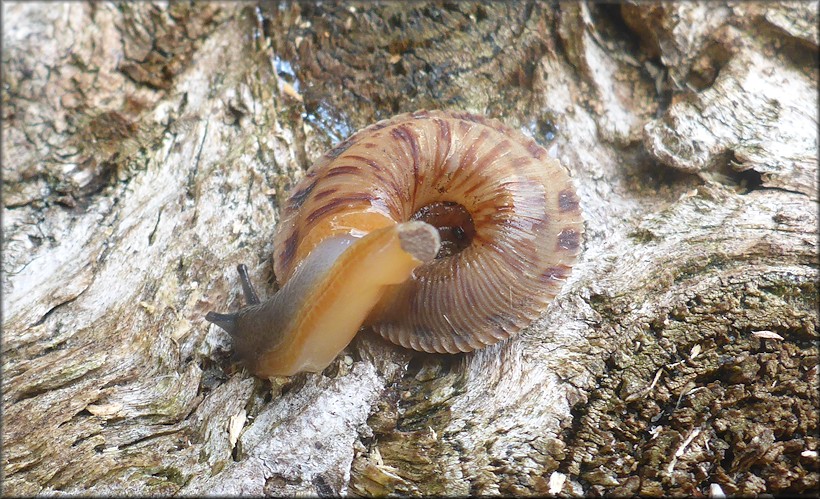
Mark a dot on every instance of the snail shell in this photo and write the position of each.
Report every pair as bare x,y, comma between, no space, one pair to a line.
508,223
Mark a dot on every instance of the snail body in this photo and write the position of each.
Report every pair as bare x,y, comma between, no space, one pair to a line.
443,231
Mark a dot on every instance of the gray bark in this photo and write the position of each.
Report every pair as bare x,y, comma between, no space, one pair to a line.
147,148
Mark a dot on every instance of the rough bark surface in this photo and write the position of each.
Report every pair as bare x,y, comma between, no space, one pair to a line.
147,147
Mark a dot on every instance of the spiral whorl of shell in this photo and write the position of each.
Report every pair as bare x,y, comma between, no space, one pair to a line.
518,223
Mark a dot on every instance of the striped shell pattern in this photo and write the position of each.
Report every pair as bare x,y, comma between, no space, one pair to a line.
512,208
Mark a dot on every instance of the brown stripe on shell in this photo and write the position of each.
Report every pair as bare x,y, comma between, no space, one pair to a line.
335,204
569,239
325,193
298,197
557,273
403,133
342,170
339,149
442,149
480,163
469,153
380,176
537,151
567,200
475,118
527,223
287,250
443,130
368,161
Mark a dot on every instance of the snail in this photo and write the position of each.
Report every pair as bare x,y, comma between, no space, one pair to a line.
443,231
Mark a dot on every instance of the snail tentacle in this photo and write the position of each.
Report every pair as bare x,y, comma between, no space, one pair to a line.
228,322
247,286
225,321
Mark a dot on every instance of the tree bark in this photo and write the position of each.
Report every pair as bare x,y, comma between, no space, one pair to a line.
147,148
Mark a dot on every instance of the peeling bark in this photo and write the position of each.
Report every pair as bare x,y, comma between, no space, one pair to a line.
147,148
